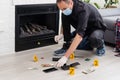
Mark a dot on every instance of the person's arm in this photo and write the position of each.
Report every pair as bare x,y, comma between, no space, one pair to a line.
71,49
58,37
74,45
82,24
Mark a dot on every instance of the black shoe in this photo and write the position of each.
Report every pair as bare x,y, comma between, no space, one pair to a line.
101,51
61,52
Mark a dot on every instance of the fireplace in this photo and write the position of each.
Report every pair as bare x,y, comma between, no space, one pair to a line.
35,25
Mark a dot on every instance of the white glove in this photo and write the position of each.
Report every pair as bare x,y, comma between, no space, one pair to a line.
58,37
61,61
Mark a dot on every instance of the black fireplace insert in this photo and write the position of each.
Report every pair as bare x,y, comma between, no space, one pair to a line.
35,25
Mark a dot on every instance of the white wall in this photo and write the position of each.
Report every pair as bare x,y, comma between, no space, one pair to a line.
19,2
6,27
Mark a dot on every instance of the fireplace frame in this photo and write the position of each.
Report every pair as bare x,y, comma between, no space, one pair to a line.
39,40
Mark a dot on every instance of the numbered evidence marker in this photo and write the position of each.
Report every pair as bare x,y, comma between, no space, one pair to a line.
96,63
72,56
35,58
71,70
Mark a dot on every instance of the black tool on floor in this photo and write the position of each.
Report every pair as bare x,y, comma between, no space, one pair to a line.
55,59
50,70
66,67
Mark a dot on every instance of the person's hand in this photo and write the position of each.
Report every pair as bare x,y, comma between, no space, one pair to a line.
61,61
58,37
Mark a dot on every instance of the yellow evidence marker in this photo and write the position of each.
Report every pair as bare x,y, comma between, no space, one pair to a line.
96,63
35,58
72,56
71,70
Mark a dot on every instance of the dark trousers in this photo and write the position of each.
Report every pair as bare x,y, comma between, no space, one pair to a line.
95,40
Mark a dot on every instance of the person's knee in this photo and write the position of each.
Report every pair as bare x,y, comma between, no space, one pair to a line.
95,43
97,34
96,38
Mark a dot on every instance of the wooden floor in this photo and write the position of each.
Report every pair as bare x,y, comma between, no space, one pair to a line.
20,66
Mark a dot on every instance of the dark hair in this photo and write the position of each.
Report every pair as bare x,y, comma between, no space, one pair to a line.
57,1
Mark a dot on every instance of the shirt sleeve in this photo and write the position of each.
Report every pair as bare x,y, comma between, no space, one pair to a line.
82,22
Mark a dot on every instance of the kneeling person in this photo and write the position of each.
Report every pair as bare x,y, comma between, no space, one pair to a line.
89,29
